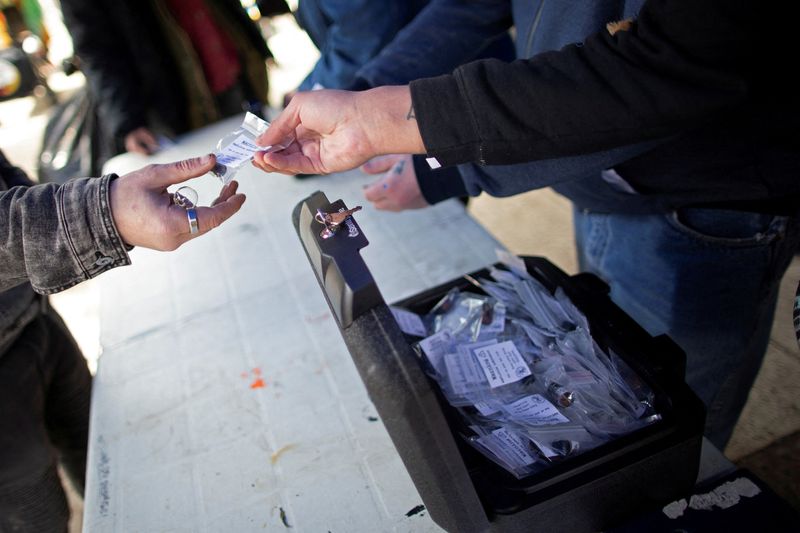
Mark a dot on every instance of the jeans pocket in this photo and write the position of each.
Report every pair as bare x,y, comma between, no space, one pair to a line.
720,227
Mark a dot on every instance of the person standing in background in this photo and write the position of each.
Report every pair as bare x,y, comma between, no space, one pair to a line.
350,36
164,67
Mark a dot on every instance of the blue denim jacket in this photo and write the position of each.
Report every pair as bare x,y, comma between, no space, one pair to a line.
350,35
53,237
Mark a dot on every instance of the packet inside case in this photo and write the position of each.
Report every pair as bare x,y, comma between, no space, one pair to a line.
521,368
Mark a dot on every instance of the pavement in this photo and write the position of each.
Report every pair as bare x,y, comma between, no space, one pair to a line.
767,437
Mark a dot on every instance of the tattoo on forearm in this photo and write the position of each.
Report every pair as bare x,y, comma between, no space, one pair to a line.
411,115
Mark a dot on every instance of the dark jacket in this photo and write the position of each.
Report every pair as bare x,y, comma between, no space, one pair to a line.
689,75
131,65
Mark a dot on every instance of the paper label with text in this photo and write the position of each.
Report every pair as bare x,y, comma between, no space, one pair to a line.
409,322
536,410
435,347
485,408
510,447
237,152
502,363
463,371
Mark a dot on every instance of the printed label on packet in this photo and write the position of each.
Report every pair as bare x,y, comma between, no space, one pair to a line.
511,447
502,363
463,372
409,322
237,152
485,409
435,347
535,409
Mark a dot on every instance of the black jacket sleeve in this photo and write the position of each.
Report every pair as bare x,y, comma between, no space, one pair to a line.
109,65
682,63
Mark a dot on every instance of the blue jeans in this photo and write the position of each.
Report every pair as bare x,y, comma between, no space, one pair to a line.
709,279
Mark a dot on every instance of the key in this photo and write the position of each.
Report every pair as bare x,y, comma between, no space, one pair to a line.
332,221
335,219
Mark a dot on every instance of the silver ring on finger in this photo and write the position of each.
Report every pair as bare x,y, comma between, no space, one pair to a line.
191,216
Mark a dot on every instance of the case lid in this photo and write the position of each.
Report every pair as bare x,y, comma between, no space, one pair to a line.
401,392
340,270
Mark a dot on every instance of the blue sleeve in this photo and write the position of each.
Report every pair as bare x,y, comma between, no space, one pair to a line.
444,35
348,34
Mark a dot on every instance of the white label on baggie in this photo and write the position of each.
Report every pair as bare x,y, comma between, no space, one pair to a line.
535,409
502,363
435,347
485,409
463,372
513,446
237,152
409,322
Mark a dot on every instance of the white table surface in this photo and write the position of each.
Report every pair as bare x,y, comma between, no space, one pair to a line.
183,438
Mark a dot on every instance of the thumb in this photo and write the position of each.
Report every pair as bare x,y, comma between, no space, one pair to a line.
282,128
376,190
379,164
180,171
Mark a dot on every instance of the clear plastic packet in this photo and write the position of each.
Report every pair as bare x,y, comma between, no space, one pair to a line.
642,392
542,308
467,316
238,147
558,442
513,451
522,368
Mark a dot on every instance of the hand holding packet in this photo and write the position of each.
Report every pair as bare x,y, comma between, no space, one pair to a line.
239,146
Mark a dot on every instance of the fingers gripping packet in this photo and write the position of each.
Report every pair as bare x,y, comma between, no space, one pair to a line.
239,146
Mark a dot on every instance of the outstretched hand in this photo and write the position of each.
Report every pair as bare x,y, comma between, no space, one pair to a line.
141,141
145,214
331,131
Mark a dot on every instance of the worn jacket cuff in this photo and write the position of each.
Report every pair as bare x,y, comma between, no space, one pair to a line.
445,120
87,230
440,184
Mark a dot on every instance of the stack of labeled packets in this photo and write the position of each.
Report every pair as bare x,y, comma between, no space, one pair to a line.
521,367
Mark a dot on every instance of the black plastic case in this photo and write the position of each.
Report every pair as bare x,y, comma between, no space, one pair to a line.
463,490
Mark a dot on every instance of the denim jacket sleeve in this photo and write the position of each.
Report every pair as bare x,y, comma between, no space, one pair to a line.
56,236
444,35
